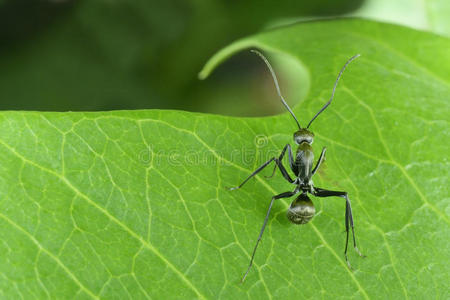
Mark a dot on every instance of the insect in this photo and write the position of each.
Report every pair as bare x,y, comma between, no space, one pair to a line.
302,210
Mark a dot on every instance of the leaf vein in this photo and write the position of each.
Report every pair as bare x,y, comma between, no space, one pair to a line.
393,161
55,258
111,217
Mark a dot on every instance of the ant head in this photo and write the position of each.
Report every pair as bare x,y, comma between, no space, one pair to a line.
303,135
302,210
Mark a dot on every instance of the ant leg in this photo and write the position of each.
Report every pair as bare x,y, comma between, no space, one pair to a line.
273,172
291,161
253,174
319,162
283,171
348,217
282,195
292,164
291,158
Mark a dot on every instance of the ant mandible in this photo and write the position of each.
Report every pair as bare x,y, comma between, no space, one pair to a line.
302,210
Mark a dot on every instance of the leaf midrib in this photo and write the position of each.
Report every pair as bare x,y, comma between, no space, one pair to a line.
106,213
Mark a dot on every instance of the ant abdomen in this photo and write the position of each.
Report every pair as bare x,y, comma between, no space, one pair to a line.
301,210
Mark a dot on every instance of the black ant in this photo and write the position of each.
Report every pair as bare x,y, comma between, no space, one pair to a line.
302,210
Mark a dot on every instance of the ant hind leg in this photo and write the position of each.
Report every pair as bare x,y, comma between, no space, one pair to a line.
348,217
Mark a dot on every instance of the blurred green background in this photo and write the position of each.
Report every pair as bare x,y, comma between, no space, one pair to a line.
103,55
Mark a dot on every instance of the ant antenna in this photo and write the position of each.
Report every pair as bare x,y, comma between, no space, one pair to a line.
334,89
276,84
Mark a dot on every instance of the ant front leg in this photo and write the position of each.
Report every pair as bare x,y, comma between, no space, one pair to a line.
283,171
280,165
348,217
319,162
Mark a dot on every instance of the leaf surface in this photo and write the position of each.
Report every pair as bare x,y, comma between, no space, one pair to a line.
133,203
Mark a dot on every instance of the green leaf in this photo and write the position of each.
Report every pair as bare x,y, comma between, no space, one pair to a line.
133,203
430,15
